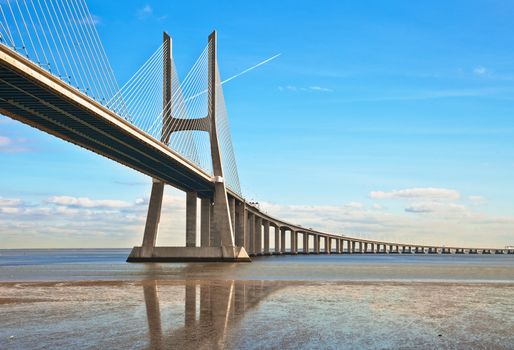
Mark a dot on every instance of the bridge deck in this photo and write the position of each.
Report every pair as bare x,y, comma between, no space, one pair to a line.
33,96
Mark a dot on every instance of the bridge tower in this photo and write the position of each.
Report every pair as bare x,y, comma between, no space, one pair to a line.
218,215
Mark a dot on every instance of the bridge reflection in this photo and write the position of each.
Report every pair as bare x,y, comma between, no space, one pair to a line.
211,309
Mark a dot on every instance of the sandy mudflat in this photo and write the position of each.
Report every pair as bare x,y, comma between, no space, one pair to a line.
92,299
256,314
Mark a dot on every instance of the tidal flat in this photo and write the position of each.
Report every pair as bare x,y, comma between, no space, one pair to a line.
306,302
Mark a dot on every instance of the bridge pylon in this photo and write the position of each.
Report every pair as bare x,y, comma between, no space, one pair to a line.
219,243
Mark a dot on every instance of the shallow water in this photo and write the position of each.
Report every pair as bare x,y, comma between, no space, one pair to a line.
109,264
63,299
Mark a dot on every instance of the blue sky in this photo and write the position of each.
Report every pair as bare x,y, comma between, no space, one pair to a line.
391,120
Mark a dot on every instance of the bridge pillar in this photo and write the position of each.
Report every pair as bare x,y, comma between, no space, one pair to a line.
153,217
294,242
266,237
328,245
258,235
191,208
232,209
251,233
205,222
214,234
283,240
240,224
277,240
316,244
305,243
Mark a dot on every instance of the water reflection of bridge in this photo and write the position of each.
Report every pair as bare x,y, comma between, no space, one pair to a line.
211,308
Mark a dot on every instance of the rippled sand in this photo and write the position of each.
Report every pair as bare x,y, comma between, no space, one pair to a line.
271,303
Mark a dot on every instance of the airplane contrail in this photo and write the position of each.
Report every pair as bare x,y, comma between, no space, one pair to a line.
249,69
234,76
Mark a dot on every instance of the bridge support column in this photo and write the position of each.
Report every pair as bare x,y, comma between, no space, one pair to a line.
294,242
191,205
305,243
205,223
251,234
240,224
266,237
277,240
258,235
328,245
316,244
283,240
232,210
152,219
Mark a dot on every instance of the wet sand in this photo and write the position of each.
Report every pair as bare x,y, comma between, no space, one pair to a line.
272,303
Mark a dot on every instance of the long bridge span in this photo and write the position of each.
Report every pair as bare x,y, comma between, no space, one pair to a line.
56,77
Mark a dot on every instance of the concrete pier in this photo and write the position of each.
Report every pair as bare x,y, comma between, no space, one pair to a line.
283,240
266,237
241,224
191,205
316,244
328,247
294,244
258,235
205,222
277,241
190,254
305,243
251,234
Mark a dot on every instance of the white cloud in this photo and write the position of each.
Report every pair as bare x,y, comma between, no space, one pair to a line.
84,202
417,193
10,145
476,199
10,210
354,205
66,221
9,202
313,88
4,141
145,12
435,207
320,88
480,70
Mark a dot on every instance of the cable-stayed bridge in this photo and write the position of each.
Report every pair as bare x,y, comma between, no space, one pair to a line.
55,76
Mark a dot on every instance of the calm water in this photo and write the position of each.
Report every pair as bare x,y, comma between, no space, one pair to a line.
64,299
